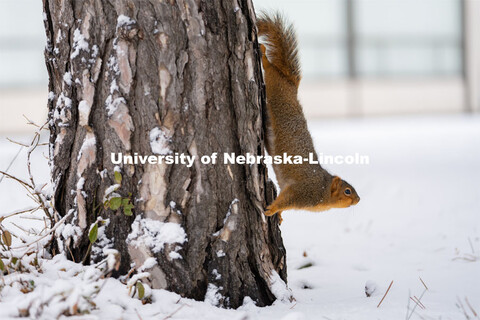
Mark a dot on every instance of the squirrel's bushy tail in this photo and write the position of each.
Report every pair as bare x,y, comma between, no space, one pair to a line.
281,42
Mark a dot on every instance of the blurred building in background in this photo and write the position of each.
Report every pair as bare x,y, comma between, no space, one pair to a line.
359,57
23,75
374,57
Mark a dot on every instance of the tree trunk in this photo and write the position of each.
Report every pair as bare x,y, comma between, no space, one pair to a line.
142,77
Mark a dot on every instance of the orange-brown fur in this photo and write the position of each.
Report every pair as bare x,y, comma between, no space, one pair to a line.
303,186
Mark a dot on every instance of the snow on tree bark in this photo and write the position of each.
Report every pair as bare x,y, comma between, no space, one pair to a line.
163,77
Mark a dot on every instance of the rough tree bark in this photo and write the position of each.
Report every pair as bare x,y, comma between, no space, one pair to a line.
144,77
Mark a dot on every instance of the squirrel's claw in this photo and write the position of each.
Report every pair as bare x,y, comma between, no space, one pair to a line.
280,219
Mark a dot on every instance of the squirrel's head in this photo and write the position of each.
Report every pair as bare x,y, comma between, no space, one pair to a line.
342,195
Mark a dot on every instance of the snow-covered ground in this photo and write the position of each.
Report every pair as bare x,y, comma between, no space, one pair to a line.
419,217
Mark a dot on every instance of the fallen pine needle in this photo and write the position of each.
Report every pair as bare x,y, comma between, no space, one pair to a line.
417,303
414,307
423,283
471,308
174,312
138,314
421,304
385,294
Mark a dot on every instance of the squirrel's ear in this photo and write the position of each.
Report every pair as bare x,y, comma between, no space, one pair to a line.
336,182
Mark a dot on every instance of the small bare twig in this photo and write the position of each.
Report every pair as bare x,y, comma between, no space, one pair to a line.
11,162
33,218
55,227
71,254
33,146
30,122
21,228
33,191
391,283
124,279
87,253
23,183
17,142
31,210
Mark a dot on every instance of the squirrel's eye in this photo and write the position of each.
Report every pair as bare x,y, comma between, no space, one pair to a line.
348,191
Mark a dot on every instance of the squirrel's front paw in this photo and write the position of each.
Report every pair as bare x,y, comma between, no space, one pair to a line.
270,211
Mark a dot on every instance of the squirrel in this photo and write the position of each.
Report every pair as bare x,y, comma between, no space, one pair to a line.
305,186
